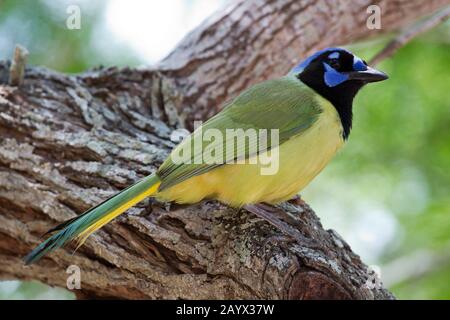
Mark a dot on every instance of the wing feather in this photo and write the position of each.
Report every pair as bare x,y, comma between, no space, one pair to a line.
284,104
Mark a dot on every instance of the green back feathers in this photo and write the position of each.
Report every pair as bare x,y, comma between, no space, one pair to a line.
284,104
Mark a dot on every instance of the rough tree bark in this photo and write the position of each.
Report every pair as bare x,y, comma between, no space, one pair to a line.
69,141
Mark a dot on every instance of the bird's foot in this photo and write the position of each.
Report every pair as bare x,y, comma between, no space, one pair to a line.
287,217
280,241
283,242
282,221
279,218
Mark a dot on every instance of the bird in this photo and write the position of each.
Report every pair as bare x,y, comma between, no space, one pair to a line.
310,109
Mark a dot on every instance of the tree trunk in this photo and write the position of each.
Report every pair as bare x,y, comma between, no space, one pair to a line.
70,141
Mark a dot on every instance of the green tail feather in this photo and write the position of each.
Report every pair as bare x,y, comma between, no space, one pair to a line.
71,228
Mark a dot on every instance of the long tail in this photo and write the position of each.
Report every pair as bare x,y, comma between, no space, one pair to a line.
82,226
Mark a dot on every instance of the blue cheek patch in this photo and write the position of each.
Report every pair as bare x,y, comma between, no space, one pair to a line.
358,64
332,77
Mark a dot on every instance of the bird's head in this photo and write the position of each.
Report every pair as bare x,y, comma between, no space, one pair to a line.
337,75
334,69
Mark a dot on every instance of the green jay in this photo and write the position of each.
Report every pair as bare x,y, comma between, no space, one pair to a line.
311,109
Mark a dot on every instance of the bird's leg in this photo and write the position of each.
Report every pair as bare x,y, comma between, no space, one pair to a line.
280,213
270,215
285,216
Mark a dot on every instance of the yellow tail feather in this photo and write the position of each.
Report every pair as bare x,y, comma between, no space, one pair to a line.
113,214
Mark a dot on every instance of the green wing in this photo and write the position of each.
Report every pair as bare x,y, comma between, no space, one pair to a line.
284,104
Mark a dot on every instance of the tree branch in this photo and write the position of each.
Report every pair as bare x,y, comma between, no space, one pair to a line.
70,141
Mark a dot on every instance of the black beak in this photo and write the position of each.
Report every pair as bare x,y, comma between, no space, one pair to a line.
369,75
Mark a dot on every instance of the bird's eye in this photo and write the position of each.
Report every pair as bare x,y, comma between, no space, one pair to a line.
334,63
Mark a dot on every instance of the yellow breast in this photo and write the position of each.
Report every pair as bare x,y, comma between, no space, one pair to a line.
301,158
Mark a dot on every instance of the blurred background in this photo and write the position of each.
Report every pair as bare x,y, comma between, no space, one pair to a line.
387,193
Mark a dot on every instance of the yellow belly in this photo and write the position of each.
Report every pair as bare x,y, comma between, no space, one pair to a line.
300,159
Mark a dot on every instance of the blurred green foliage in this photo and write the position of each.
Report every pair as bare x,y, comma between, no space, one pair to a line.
40,25
403,125
387,192
18,290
